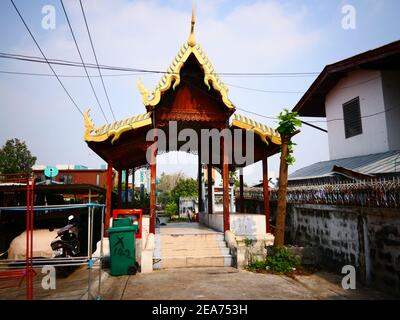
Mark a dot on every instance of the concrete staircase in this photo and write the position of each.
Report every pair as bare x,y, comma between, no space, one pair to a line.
205,249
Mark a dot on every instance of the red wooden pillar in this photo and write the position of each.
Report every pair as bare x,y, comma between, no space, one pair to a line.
266,195
209,188
200,178
133,186
109,190
153,190
119,188
225,178
241,200
126,187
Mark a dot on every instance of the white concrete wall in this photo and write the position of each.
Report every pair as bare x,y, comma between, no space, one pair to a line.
246,225
391,94
367,85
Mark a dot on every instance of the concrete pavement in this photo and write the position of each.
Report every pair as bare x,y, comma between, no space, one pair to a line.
231,284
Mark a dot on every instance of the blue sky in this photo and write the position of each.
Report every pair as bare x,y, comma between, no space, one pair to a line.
238,36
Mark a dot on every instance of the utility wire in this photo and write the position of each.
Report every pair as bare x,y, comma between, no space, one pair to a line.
44,56
66,75
80,55
261,90
117,68
97,62
250,112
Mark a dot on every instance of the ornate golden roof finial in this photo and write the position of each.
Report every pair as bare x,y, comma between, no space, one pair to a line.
192,40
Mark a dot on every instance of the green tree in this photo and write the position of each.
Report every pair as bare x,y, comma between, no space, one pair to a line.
187,187
171,208
15,157
166,183
288,126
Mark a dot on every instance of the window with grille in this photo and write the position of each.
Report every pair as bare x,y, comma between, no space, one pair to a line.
352,118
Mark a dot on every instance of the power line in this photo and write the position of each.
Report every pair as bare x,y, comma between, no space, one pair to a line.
66,75
44,56
133,74
251,112
127,69
80,55
97,62
261,90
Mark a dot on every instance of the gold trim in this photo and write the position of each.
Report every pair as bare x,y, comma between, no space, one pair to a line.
114,129
151,99
261,129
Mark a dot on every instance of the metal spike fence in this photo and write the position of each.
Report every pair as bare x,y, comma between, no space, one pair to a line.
378,193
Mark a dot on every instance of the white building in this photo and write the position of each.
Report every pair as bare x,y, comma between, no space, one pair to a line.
360,98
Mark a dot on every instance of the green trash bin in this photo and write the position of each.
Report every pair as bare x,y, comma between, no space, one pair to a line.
121,222
122,248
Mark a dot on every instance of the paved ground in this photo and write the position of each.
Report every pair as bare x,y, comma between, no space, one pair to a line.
196,284
230,284
74,287
218,283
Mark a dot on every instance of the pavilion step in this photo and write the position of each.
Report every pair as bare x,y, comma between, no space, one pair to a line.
201,251
195,261
192,245
191,237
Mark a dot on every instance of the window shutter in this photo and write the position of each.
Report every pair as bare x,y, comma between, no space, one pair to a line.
352,118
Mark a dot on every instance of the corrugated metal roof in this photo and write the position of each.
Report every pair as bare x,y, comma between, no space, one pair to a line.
385,162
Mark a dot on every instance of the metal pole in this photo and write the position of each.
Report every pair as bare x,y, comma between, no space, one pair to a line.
101,252
27,273
90,263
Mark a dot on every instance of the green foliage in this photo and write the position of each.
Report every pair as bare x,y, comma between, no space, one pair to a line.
16,158
171,208
288,124
255,265
290,160
163,198
248,242
280,261
186,187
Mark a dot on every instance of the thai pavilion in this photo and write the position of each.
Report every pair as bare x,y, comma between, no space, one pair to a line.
192,94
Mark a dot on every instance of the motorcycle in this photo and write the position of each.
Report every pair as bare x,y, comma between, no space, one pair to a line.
67,245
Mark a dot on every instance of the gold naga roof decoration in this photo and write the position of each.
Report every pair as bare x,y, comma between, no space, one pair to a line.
114,129
262,130
151,99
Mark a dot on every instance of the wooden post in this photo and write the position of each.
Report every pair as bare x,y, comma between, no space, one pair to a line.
225,177
133,185
119,189
199,177
283,181
209,188
241,198
266,195
153,190
109,190
126,187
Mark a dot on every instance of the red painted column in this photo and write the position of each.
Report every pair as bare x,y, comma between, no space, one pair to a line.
241,198
209,188
126,187
119,201
153,190
266,194
225,177
108,197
